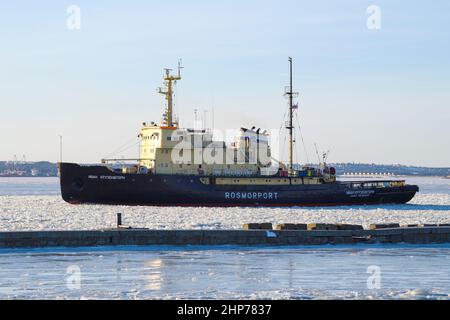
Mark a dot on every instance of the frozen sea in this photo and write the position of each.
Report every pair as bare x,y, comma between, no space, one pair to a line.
319,272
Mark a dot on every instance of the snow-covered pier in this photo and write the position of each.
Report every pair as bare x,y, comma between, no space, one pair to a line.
146,237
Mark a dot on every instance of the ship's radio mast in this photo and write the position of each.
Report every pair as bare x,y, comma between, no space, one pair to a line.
289,125
167,91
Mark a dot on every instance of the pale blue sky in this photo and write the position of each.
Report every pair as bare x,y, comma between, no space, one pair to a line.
378,96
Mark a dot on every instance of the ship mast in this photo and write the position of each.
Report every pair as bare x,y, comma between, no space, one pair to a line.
170,80
289,124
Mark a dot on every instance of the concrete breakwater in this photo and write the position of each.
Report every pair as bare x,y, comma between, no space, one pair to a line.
130,237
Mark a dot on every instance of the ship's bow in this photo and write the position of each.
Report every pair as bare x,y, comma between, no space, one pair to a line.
71,182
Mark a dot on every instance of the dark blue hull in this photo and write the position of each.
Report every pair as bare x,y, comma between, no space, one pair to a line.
99,185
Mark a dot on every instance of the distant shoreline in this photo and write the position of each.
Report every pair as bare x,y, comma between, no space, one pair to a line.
50,169
28,176
339,176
